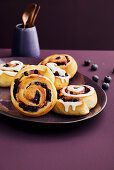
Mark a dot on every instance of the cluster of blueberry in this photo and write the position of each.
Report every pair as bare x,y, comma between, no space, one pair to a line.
107,79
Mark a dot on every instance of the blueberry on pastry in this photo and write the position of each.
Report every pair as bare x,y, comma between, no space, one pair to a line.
33,93
75,100
8,71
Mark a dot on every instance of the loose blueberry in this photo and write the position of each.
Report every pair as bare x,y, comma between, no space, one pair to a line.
95,78
113,70
87,62
107,79
105,86
94,67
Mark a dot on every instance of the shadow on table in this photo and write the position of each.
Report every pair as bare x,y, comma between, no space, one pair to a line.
52,130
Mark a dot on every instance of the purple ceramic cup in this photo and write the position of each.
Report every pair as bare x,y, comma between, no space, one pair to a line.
25,42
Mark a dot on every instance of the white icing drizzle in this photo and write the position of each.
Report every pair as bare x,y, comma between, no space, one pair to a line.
64,78
67,104
7,71
17,68
10,73
77,90
1,72
53,67
78,95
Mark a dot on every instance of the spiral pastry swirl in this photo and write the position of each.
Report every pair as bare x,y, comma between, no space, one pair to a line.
33,94
75,100
63,61
8,71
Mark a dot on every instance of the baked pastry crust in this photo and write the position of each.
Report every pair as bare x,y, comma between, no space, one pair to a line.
8,71
36,69
75,100
33,94
64,61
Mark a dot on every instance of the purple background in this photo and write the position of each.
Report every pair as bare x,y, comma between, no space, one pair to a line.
63,24
87,145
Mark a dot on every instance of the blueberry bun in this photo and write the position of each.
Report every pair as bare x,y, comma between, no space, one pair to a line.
76,100
64,61
33,93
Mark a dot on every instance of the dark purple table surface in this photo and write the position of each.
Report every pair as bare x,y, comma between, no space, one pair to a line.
87,145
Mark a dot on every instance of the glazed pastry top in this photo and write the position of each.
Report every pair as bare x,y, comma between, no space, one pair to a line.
11,68
71,95
78,90
58,72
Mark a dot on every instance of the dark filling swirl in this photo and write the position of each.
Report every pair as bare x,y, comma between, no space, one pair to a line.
71,98
36,97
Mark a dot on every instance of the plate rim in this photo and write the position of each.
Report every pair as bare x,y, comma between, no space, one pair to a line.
60,122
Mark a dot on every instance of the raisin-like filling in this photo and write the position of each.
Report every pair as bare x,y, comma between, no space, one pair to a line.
57,74
60,63
67,59
26,73
66,74
48,91
36,97
70,100
6,65
15,70
57,58
9,65
15,89
71,92
86,89
58,92
35,71
28,108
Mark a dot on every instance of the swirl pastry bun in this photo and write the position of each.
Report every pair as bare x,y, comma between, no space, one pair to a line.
8,71
33,94
64,61
75,100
